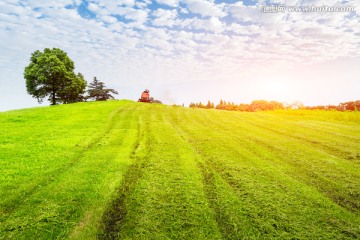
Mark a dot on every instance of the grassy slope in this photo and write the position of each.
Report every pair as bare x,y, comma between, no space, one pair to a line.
132,170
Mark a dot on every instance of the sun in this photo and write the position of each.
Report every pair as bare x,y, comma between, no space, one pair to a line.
275,87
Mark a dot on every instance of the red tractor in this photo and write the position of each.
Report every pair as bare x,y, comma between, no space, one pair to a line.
145,96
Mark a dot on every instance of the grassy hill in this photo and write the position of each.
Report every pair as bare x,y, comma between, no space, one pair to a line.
129,170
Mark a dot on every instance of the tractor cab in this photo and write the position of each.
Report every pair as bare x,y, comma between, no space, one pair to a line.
145,96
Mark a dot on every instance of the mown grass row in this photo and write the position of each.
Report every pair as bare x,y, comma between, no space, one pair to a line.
277,188
167,201
322,158
123,170
66,173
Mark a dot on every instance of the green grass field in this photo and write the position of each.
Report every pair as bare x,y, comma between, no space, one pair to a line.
120,169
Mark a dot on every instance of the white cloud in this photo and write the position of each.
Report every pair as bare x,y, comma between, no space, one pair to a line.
212,24
142,5
93,7
13,8
46,4
108,19
171,3
205,8
164,17
124,2
137,15
253,14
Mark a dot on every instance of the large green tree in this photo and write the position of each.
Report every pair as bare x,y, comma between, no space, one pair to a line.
51,74
99,92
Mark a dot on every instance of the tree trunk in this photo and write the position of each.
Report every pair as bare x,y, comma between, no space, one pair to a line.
53,95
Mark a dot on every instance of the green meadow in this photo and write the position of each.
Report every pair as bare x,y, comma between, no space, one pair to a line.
128,170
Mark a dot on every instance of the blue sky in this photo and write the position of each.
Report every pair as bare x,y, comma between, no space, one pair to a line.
188,50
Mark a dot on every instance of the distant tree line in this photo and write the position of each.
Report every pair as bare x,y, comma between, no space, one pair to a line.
256,105
200,105
263,105
51,75
345,106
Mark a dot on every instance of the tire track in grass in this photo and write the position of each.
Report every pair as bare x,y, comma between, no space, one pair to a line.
229,215
119,143
233,219
344,149
114,216
339,184
299,134
208,181
227,226
12,204
167,202
340,129
46,220
259,135
236,221
322,122
254,181
328,178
